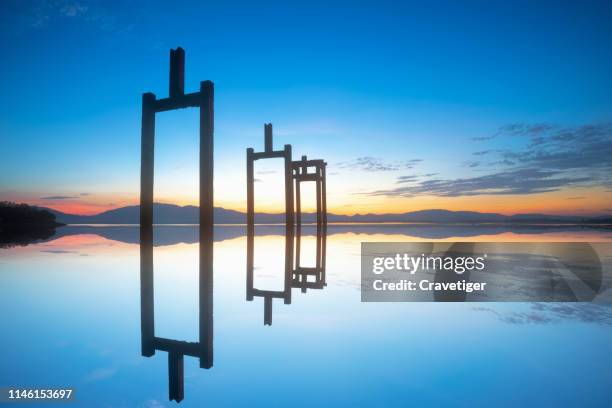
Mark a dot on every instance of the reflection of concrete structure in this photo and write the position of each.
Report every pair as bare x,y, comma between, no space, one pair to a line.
520,271
269,295
300,275
294,276
150,106
311,170
203,349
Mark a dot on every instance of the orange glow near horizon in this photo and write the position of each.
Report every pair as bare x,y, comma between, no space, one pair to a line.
591,201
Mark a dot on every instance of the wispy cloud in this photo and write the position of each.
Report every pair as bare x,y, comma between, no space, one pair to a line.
407,179
374,164
153,403
58,197
42,13
100,374
482,138
553,158
520,181
471,163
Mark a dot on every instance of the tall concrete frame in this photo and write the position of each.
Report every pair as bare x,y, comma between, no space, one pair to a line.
301,173
204,99
177,99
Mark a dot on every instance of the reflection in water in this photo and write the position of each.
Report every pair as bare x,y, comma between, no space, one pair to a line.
300,274
203,349
568,272
174,234
84,310
295,275
549,313
268,295
456,250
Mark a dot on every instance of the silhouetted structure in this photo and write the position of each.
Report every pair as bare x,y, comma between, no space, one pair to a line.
301,173
269,153
300,274
203,349
252,156
150,106
178,100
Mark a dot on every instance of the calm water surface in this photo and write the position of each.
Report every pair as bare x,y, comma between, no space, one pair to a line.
70,308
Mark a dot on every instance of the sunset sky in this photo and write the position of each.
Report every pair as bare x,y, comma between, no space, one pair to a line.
485,106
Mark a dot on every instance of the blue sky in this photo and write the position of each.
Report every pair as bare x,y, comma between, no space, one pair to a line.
406,88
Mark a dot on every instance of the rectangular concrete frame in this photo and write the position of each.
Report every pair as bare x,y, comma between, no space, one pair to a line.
204,99
251,157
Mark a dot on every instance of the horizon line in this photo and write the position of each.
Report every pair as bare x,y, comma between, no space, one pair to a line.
344,215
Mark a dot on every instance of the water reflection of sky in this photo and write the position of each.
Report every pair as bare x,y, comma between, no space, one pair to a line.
71,313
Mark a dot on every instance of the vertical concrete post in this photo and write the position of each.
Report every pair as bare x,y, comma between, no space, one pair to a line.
250,222
206,314
207,118
319,217
250,256
206,219
298,198
176,376
324,188
177,72
147,152
268,137
298,244
147,320
267,311
323,254
318,248
318,187
289,211
289,221
147,311
250,190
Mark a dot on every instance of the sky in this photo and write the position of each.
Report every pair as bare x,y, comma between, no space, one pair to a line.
483,106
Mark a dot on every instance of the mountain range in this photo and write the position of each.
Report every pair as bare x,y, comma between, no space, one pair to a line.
174,214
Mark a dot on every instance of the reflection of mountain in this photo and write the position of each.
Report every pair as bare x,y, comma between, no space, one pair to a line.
173,214
173,234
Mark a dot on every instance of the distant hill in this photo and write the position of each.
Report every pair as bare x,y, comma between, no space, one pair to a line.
15,216
174,214
21,224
